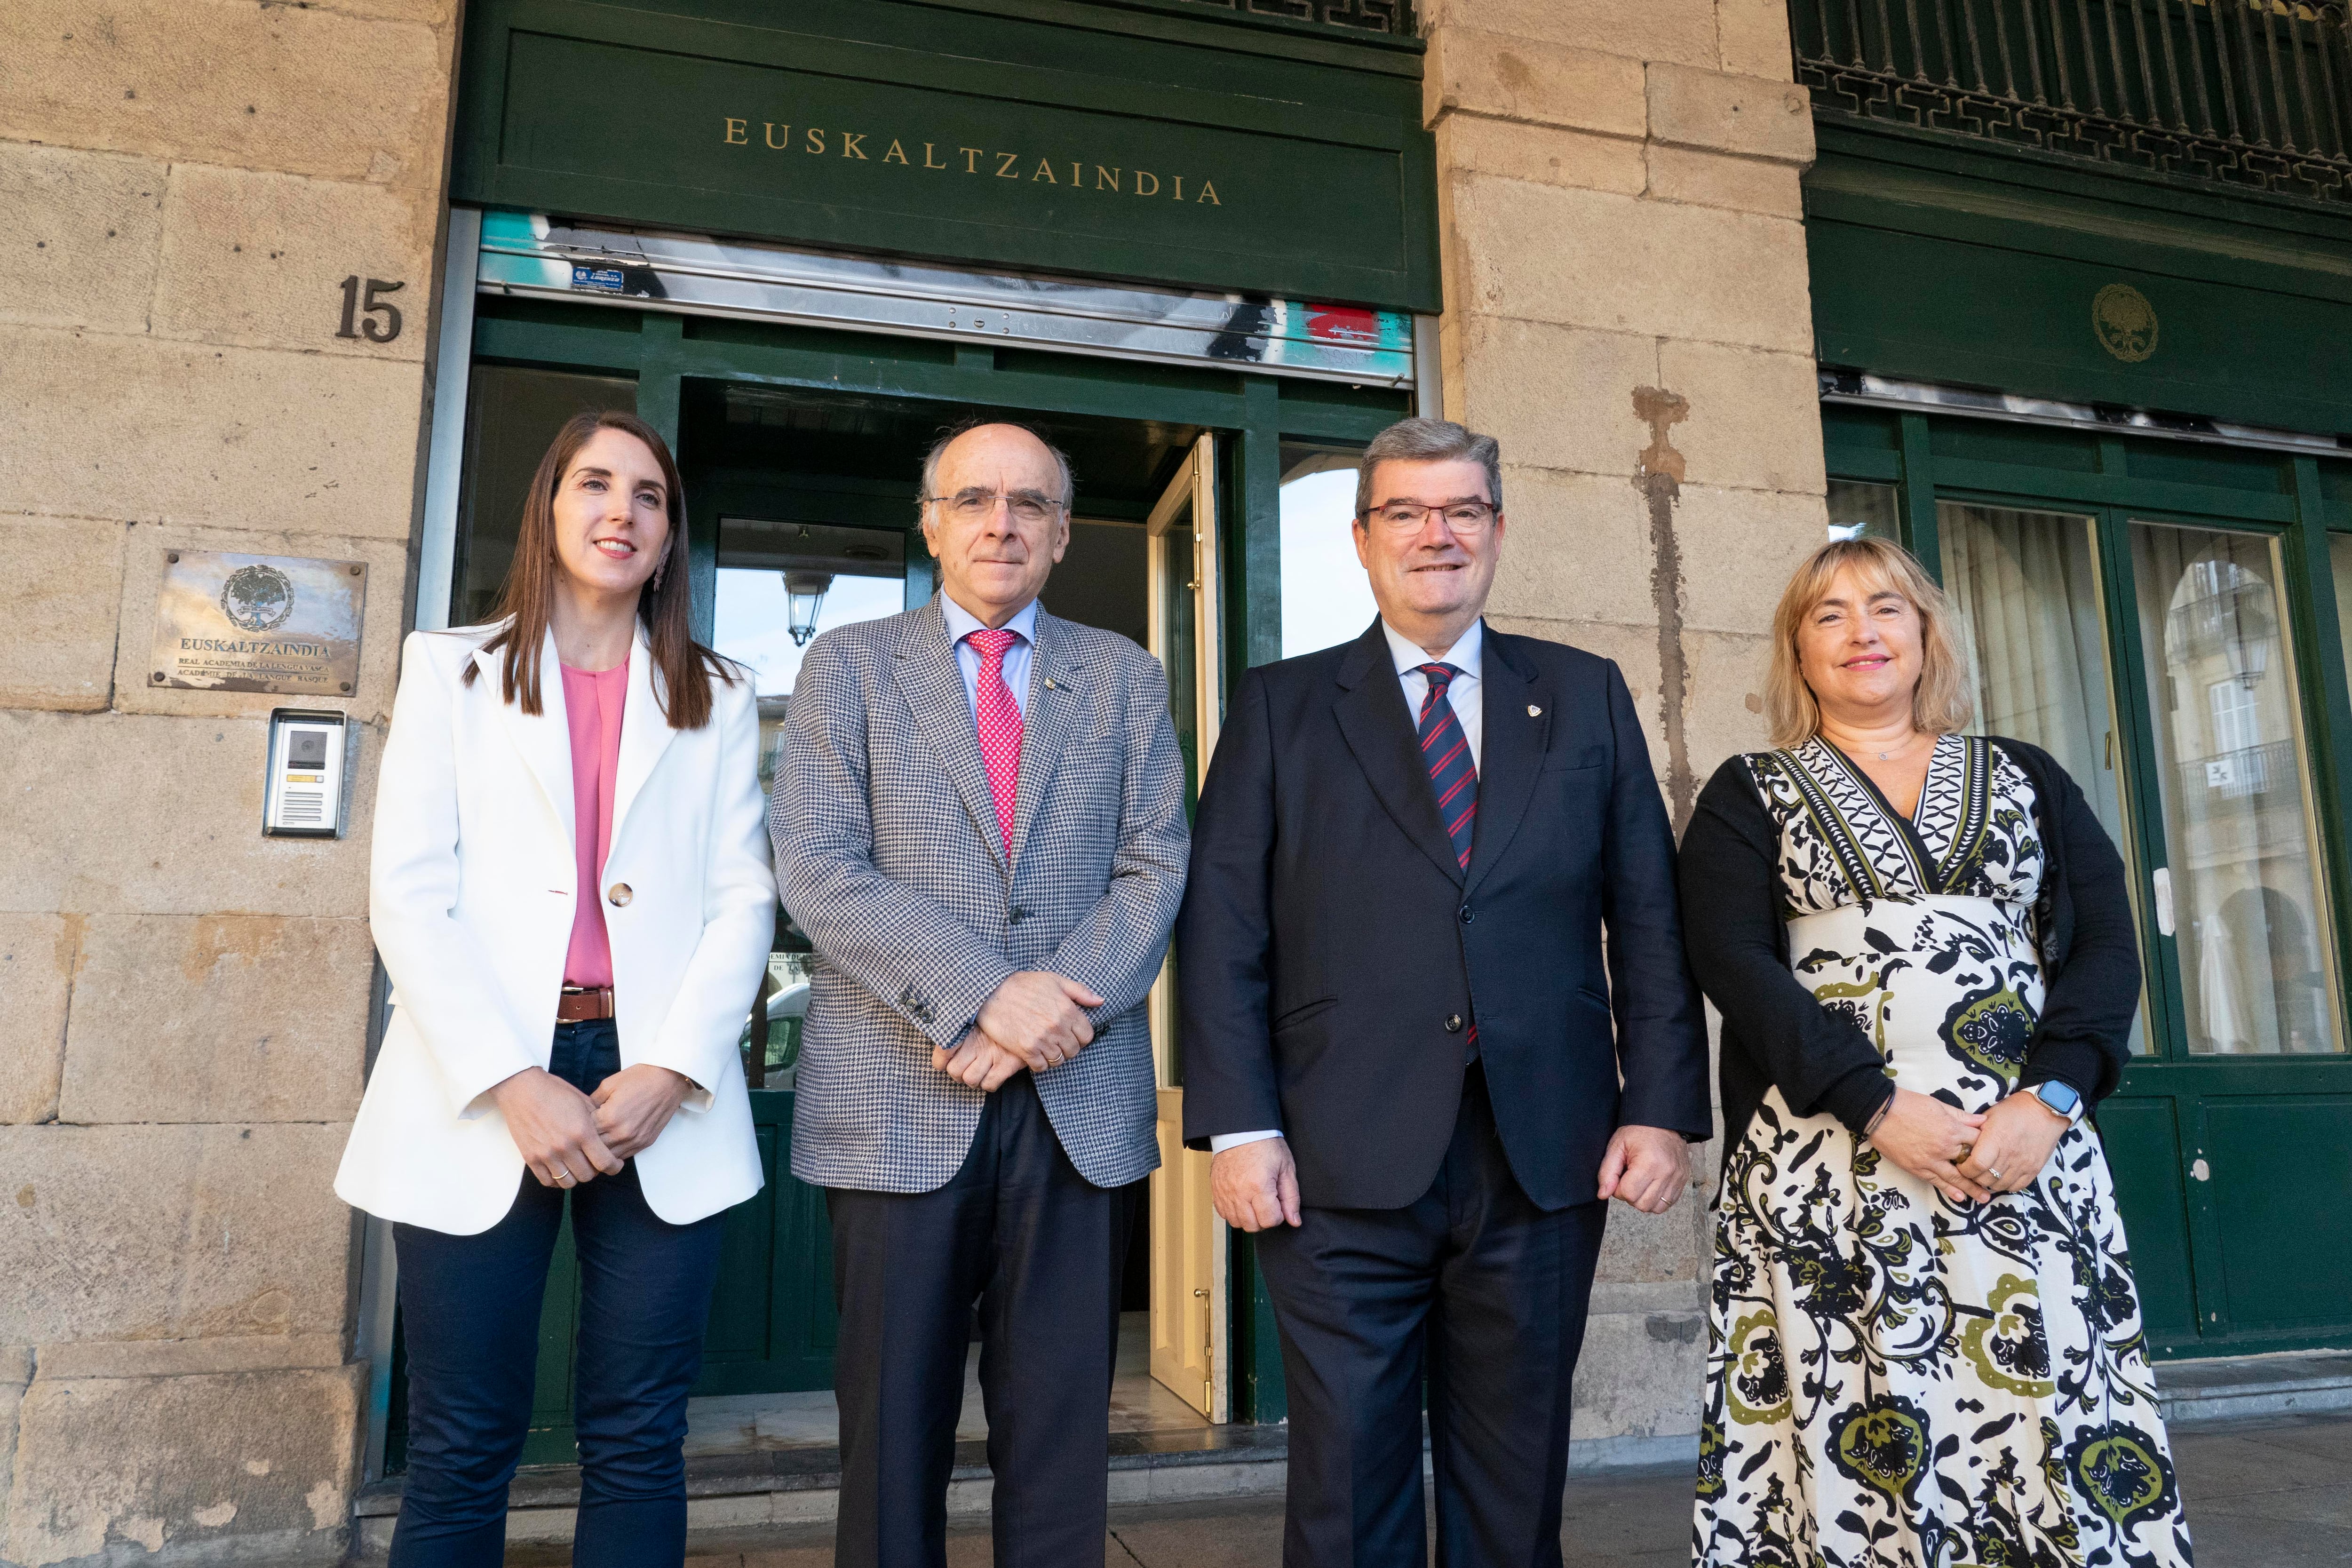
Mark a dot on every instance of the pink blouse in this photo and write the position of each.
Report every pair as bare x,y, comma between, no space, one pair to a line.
592,708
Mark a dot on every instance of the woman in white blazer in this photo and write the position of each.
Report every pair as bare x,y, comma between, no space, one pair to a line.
573,896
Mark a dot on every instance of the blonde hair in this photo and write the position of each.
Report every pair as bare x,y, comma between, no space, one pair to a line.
1939,703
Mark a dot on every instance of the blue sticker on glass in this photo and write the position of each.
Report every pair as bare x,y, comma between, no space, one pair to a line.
604,280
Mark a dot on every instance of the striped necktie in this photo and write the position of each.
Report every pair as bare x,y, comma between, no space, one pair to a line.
1446,749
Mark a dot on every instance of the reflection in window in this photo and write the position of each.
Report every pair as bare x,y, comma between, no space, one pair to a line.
781,585
2248,915
1860,509
511,413
2024,587
1326,598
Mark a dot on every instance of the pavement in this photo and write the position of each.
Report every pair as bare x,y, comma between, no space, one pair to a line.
2273,1492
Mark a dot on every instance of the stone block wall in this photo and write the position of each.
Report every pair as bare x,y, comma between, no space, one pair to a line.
184,1003
1627,310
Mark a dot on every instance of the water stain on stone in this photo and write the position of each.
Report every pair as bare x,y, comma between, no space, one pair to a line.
1673,1330
248,938
1658,473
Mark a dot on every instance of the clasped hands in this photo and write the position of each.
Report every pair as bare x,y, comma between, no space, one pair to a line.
568,1138
1036,1019
1970,1158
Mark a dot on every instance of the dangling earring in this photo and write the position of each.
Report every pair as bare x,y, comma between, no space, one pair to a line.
661,571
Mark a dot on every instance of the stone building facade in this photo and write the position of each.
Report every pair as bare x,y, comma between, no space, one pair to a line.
1624,293
1626,311
184,1012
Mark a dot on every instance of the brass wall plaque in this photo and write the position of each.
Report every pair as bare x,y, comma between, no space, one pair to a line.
282,624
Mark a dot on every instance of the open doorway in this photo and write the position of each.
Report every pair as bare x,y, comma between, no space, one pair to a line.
1234,488
804,511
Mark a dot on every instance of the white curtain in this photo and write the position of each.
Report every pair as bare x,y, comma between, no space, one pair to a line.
2025,584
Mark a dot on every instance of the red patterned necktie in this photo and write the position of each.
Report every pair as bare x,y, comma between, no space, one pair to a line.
999,727
1446,749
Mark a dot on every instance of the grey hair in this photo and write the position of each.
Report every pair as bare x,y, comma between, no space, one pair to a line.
1429,441
949,436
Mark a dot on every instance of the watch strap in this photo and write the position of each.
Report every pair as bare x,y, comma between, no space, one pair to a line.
2073,1113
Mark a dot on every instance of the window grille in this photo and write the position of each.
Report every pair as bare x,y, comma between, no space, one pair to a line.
1394,17
2248,93
1374,15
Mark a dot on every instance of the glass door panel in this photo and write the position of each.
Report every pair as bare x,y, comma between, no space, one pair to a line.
512,411
1325,598
1175,609
2025,588
778,584
2241,881
1861,510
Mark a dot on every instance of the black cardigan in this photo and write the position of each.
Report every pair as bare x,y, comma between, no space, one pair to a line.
1774,1032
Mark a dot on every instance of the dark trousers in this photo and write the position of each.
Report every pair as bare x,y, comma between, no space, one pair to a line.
1470,1286
469,1309
1040,1249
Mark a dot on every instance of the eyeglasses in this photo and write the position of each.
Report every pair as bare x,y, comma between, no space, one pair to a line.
979,506
1411,516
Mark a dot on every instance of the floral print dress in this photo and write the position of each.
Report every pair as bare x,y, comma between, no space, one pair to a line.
1894,1379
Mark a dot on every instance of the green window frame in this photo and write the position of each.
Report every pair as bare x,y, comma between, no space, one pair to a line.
2303,501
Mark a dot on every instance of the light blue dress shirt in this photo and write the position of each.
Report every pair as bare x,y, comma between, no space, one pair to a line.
1463,693
962,623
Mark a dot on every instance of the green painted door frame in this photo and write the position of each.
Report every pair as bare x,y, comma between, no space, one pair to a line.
771,1327
2233,1171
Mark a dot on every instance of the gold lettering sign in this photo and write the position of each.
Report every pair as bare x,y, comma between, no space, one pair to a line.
818,142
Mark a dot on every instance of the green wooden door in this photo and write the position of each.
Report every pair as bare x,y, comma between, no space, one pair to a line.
772,1322
2163,617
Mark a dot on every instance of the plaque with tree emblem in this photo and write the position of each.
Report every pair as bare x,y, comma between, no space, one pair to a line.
280,624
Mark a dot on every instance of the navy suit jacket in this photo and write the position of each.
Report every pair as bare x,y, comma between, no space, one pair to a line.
1328,932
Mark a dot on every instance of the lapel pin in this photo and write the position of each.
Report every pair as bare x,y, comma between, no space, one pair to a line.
1049,684
1534,712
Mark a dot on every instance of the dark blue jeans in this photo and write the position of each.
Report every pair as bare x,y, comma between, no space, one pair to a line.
469,1307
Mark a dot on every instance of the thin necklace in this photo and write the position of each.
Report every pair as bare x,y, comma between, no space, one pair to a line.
1888,755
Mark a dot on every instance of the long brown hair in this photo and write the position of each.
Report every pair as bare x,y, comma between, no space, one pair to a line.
1939,703
665,606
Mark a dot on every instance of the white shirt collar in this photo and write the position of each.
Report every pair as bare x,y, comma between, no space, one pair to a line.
1462,655
962,623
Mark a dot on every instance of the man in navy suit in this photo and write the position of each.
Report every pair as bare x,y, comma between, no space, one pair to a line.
1420,1079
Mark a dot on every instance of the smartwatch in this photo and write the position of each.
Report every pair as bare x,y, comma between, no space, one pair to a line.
2060,1098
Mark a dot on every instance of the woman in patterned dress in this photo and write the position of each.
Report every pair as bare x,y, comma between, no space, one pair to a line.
1924,1341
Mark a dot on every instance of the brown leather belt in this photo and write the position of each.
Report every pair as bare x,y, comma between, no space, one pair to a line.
578,1004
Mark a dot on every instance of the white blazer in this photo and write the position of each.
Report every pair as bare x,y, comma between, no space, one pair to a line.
473,879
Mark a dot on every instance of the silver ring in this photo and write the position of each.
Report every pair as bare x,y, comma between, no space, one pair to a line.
565,1177
1994,1172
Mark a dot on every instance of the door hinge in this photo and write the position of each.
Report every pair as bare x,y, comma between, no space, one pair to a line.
1208,1357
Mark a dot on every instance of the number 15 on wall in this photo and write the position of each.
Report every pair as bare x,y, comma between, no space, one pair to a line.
359,313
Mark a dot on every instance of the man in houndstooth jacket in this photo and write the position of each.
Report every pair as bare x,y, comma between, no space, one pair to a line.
979,821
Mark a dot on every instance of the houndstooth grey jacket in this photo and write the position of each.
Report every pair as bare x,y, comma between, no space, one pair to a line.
888,856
